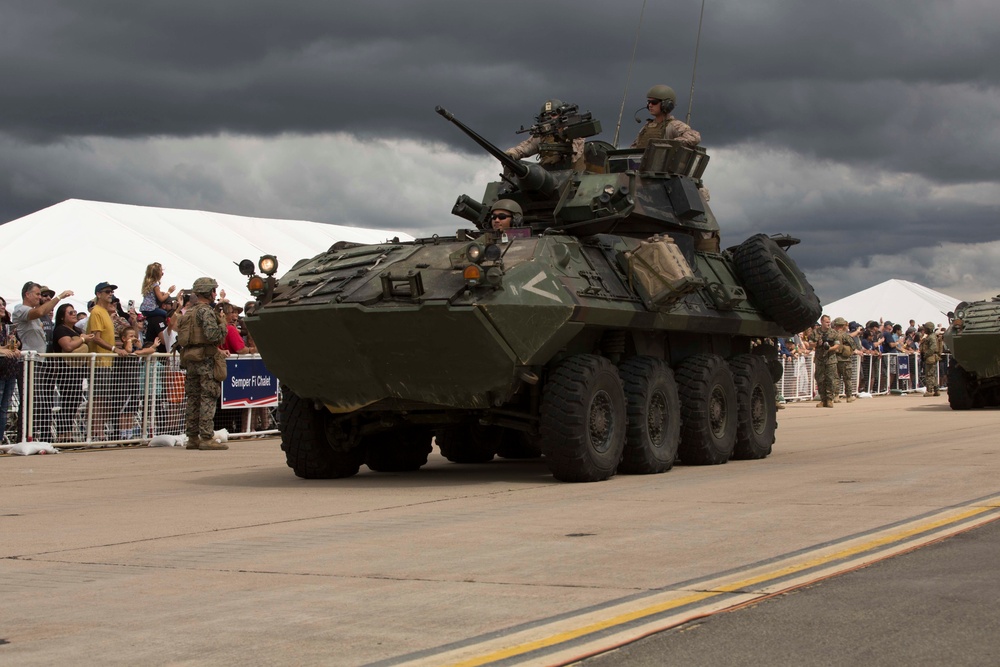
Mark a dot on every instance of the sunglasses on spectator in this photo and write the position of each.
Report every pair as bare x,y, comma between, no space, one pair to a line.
107,291
500,216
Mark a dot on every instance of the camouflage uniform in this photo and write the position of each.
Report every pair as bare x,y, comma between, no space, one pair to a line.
200,386
845,364
532,146
671,128
930,354
825,362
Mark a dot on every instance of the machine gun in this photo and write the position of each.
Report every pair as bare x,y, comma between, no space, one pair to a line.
566,124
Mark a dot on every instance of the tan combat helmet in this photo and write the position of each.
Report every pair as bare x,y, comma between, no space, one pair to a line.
840,322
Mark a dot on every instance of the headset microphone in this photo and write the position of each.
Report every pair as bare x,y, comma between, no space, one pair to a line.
636,116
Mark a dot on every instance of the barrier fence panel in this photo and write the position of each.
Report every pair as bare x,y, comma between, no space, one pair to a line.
99,399
875,374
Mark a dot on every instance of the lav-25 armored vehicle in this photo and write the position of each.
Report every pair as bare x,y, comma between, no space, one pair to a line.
974,341
606,331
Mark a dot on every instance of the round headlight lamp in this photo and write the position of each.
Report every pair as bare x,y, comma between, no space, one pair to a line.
474,252
268,264
492,253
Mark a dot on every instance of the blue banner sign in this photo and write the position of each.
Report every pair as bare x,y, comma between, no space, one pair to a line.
248,384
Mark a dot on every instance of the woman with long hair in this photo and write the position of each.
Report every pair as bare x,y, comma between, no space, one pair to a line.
68,377
153,297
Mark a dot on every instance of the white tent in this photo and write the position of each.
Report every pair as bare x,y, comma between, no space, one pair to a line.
898,301
76,244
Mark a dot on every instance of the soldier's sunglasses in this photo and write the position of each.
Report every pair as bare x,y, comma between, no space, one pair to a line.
499,216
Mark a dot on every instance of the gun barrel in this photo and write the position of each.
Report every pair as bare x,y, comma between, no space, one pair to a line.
515,166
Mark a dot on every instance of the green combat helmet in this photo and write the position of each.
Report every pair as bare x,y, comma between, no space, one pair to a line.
204,285
666,95
550,106
840,322
929,327
510,206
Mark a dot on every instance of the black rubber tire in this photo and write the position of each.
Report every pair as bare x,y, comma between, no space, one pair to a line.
776,284
583,419
708,410
400,450
654,416
961,388
469,443
304,441
756,407
518,445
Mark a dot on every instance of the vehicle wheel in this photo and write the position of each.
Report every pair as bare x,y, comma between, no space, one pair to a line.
518,445
708,410
400,450
756,409
654,416
776,283
583,419
469,443
304,441
961,388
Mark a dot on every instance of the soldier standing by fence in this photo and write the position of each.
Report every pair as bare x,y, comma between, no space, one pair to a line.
199,332
930,353
845,363
826,344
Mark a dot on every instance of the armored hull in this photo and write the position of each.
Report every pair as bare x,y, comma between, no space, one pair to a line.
607,331
974,341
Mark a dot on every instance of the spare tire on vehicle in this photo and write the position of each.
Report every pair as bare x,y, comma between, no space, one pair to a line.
776,284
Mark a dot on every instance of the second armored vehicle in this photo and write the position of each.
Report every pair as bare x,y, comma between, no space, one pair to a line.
606,329
974,341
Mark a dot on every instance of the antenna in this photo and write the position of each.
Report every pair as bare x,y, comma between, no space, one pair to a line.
628,77
694,68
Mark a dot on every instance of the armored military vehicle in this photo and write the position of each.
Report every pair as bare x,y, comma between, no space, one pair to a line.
606,329
974,341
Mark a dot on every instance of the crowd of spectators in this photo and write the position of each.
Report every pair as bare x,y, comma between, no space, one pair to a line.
872,339
46,322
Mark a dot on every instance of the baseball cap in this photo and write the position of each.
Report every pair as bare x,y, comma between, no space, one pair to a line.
48,291
104,286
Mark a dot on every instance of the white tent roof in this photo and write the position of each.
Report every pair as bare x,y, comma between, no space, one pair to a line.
76,244
898,301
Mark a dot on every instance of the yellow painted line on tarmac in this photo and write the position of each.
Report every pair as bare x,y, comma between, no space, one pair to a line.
860,549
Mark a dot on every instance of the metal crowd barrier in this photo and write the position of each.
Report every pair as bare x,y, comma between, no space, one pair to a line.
877,375
102,399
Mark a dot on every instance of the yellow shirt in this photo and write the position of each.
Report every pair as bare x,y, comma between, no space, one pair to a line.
100,322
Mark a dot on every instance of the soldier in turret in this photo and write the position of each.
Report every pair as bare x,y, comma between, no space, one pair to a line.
931,349
660,101
543,145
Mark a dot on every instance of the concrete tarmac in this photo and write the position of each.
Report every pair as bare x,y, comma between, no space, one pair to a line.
169,556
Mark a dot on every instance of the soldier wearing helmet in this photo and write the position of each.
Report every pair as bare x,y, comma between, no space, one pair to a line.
543,145
504,214
931,349
845,362
660,101
200,330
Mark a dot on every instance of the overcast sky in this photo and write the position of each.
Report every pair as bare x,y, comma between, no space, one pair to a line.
869,130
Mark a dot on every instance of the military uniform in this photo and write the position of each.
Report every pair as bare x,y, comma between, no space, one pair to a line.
201,388
930,354
825,362
845,363
670,128
548,158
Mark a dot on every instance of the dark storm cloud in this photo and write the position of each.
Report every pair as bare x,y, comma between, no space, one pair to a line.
899,87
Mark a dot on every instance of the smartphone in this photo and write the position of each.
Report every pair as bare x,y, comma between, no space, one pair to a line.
131,304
